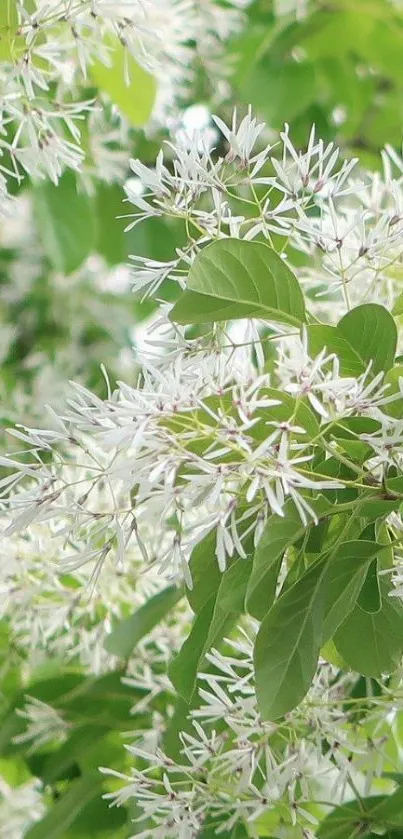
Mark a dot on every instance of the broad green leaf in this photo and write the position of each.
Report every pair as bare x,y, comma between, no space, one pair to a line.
288,643
389,808
366,333
129,631
369,597
233,278
345,577
8,29
372,644
275,90
65,221
67,809
371,330
135,99
350,820
216,618
322,335
279,534
70,751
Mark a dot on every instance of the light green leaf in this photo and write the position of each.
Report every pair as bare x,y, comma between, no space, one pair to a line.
65,221
136,99
8,29
288,643
233,278
398,305
131,630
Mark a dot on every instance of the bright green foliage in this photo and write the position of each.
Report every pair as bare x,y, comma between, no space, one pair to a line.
128,85
233,279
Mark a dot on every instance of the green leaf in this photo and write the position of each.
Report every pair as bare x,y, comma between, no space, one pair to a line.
233,278
183,669
67,809
349,821
60,760
395,408
65,221
389,808
8,29
398,305
371,330
278,89
369,598
322,335
346,576
209,627
135,99
288,643
279,534
206,575
372,644
131,630
366,333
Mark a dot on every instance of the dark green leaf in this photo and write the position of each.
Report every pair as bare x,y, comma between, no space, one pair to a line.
183,669
62,758
369,597
371,331
346,576
288,644
372,644
206,575
349,821
279,534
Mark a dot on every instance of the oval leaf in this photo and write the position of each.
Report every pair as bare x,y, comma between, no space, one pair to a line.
233,278
288,644
371,331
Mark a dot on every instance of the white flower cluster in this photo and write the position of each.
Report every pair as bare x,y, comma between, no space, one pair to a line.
347,223
48,118
236,769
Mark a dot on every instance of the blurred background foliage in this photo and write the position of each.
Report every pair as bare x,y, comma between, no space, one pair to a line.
66,307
